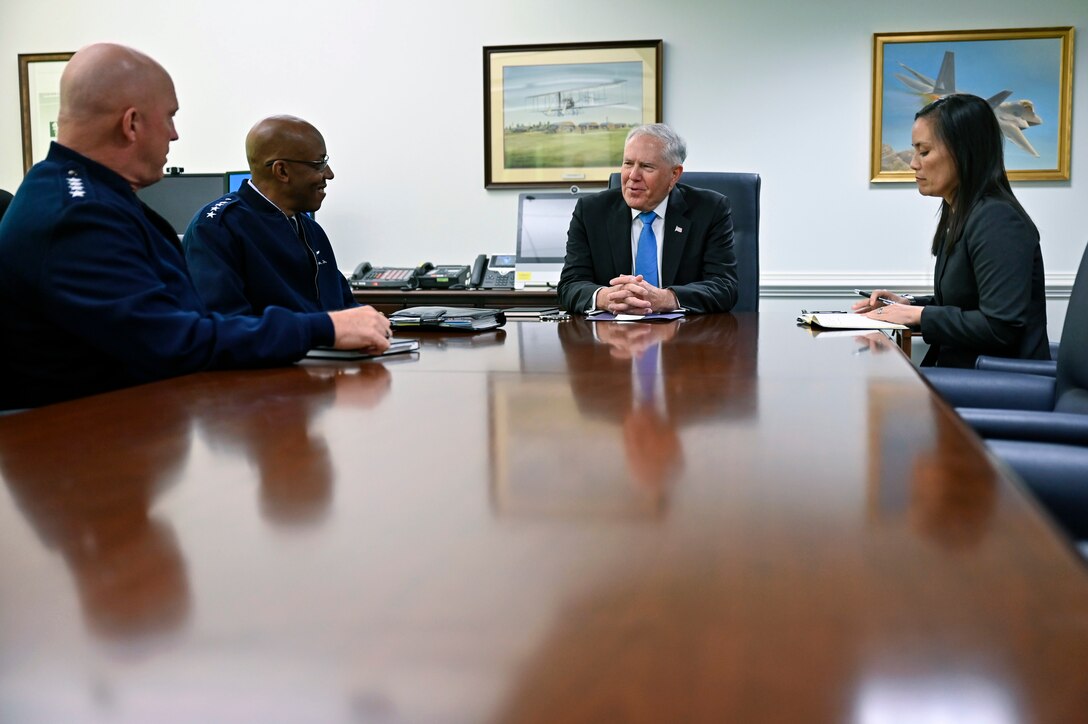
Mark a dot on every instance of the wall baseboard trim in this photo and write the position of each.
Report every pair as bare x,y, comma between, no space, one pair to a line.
788,285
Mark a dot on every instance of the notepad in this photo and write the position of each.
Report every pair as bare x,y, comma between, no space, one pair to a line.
846,321
528,312
396,346
651,317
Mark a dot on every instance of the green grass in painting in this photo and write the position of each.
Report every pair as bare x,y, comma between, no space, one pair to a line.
559,150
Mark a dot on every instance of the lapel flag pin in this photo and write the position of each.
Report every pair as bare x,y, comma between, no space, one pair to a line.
679,230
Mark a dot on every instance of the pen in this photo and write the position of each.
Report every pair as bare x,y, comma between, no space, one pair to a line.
864,293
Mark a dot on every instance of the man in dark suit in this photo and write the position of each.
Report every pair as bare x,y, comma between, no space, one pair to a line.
652,245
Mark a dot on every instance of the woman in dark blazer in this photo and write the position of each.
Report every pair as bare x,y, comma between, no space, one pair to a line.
988,284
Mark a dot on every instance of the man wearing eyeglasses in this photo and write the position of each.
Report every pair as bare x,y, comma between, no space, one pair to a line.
94,290
258,247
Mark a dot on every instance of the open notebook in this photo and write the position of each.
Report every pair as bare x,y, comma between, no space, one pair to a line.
396,346
846,320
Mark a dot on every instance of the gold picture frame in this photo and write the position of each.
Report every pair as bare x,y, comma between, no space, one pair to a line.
39,101
1026,74
557,115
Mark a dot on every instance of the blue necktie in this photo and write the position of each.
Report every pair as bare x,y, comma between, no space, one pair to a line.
646,256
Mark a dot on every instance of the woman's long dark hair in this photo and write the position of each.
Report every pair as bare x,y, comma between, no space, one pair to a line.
966,125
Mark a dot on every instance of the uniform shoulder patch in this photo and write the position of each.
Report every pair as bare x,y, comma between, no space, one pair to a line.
76,186
215,210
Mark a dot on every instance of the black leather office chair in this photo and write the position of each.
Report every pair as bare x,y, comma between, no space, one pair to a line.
1027,402
1038,425
742,189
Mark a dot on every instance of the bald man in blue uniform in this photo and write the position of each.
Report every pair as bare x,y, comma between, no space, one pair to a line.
257,247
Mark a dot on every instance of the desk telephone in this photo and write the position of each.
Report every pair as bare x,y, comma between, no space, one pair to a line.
496,274
424,276
366,276
445,276
500,275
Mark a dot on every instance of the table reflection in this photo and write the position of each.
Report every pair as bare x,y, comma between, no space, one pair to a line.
127,566
963,697
459,340
272,423
921,471
615,420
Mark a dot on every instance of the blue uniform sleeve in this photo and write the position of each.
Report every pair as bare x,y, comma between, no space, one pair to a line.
126,292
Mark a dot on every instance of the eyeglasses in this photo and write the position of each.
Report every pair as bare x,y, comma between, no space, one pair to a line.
320,165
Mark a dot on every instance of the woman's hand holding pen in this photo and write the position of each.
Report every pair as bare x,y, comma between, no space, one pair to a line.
889,307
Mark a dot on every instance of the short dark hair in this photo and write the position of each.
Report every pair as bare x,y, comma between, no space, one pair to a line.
967,127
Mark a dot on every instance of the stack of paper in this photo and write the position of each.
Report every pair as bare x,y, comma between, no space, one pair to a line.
846,320
528,312
601,316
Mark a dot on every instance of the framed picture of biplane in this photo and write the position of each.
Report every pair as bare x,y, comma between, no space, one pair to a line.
557,115
1025,74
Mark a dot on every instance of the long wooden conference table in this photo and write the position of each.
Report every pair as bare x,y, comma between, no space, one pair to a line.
725,520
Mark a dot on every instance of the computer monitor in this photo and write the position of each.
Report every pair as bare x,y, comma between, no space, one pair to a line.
233,180
178,197
543,220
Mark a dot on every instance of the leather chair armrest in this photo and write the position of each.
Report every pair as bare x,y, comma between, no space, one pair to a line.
1046,367
1056,474
982,388
1057,427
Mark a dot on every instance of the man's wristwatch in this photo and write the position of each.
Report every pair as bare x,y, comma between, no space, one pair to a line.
908,297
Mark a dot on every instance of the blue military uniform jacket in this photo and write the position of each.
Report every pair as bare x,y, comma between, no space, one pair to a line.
95,294
245,256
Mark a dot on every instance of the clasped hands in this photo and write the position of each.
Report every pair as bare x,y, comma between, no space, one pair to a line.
899,312
631,294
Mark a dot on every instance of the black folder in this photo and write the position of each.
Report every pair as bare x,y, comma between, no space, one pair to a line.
456,318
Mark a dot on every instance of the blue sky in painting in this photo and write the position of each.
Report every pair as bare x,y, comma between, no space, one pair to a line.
520,82
1029,68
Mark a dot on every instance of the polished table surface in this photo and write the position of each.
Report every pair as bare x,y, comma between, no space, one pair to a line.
388,301
512,527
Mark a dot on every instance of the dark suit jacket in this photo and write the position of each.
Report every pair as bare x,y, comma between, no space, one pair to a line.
989,292
697,259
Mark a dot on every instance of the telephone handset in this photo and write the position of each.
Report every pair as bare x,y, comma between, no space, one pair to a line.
494,273
476,278
366,276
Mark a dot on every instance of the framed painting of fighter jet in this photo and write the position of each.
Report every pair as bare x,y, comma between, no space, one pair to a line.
557,115
1026,75
39,100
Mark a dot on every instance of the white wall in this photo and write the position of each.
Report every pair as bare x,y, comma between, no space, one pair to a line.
773,86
